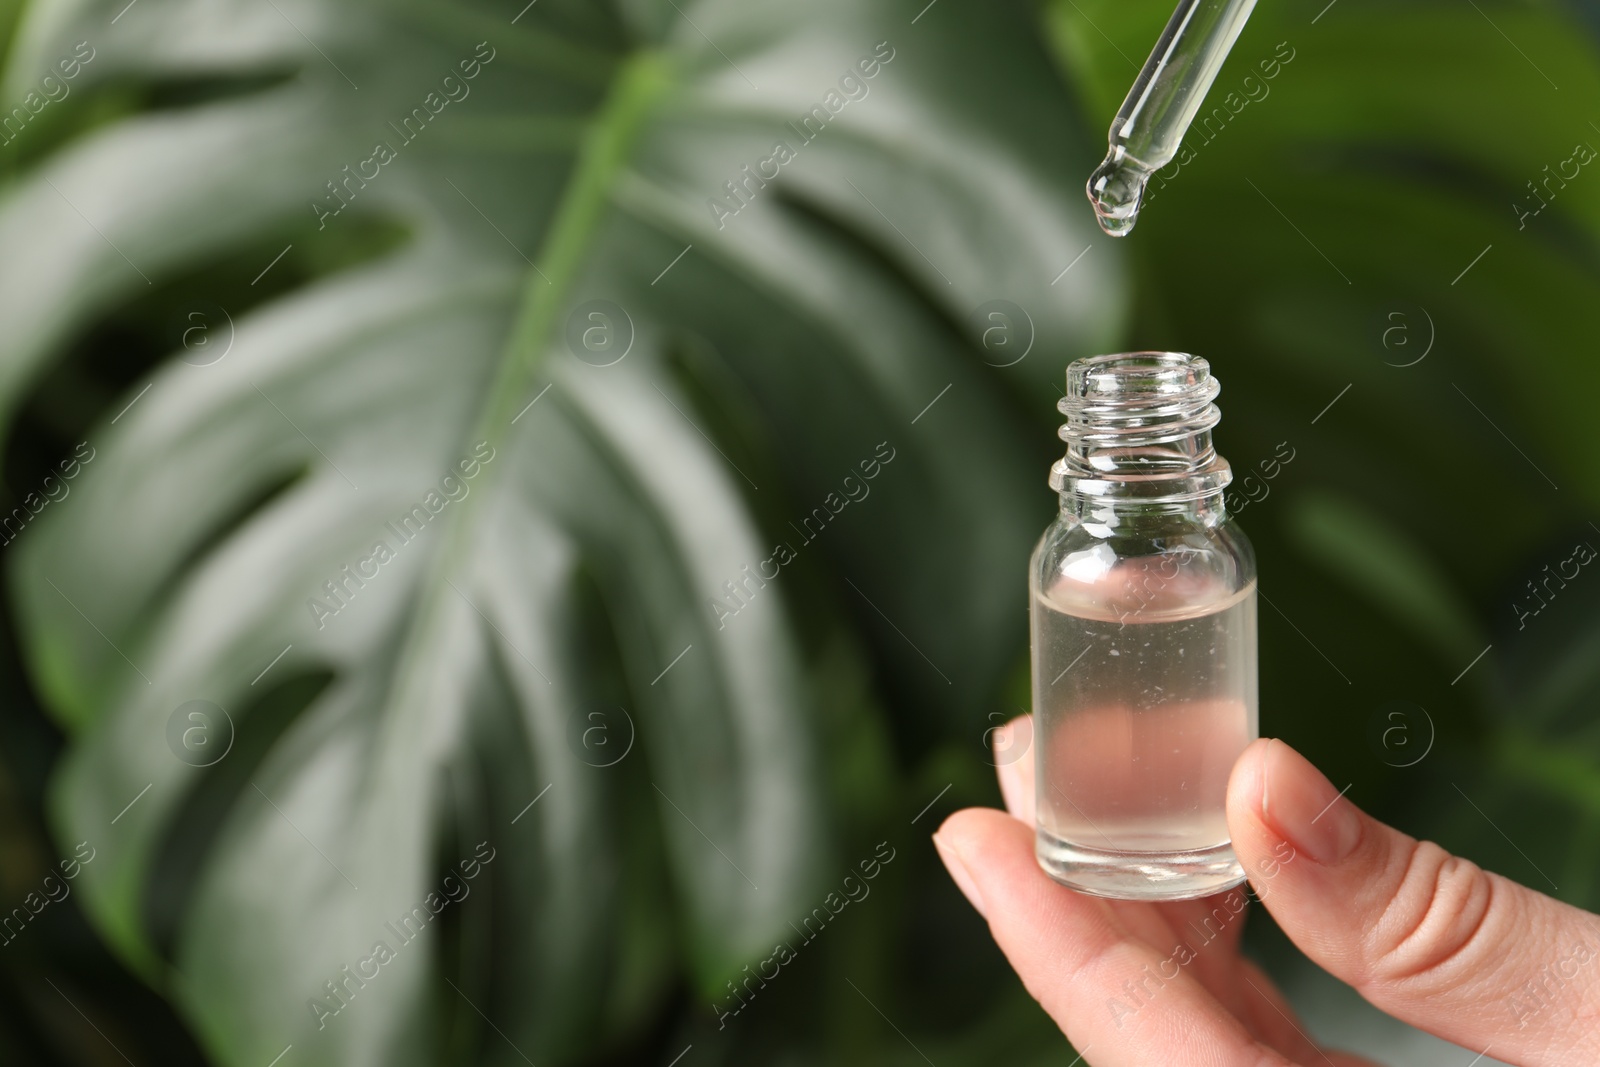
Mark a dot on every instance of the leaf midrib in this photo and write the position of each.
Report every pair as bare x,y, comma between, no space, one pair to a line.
641,83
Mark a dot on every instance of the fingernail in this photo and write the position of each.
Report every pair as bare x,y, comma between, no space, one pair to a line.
1305,808
960,875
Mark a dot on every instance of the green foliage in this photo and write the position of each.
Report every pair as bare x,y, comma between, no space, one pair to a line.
1379,561
807,373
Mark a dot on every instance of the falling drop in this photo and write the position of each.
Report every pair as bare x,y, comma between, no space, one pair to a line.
1116,189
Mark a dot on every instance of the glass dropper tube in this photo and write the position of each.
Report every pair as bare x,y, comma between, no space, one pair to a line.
1162,103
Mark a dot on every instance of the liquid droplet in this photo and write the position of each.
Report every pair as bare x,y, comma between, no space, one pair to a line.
1116,189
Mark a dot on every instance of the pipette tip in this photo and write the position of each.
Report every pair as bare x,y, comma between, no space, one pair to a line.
1116,189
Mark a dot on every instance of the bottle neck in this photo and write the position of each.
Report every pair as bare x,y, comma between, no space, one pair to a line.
1108,517
1139,449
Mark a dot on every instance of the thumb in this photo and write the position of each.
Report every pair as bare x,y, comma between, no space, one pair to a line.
1425,936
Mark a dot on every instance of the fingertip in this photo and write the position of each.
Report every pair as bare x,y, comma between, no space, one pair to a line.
956,864
979,845
974,832
1013,764
1247,787
991,845
953,824
1247,783
1261,847
1302,806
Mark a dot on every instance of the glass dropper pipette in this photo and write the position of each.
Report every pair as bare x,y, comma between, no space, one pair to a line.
1162,103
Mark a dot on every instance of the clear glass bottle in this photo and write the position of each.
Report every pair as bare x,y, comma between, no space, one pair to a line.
1144,637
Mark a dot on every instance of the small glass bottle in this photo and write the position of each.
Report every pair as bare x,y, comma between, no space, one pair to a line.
1144,637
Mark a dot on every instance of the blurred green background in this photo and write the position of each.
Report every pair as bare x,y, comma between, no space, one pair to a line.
254,339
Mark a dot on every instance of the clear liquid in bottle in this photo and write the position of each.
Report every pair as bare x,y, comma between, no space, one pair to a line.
1138,735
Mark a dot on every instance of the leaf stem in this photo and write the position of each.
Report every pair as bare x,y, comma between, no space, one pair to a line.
603,154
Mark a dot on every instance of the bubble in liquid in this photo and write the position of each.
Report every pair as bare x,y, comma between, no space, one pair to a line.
1116,189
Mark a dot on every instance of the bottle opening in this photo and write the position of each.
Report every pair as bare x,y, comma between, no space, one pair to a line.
1137,378
1138,426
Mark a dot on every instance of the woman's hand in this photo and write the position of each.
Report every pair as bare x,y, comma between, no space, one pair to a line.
1428,938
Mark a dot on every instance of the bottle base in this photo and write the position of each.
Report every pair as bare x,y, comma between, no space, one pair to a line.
1151,876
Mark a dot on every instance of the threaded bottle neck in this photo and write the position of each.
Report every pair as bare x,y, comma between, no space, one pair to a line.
1138,434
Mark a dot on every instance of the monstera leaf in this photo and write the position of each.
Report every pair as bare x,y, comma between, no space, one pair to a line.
356,615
